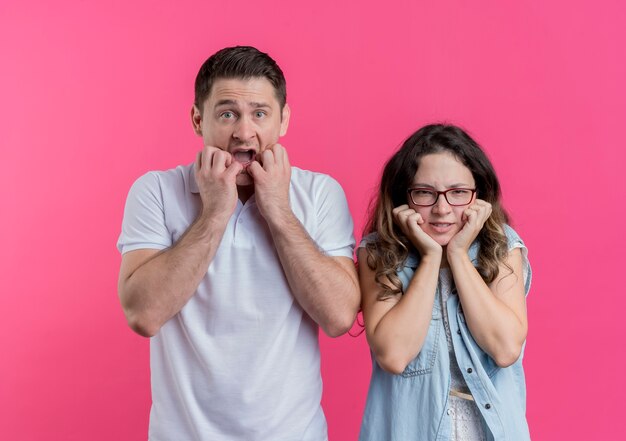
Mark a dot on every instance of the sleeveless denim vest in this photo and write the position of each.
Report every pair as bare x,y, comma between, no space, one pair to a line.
413,405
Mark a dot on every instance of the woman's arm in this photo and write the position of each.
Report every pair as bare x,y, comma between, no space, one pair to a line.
495,314
396,327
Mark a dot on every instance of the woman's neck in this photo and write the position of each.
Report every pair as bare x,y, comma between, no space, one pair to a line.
444,259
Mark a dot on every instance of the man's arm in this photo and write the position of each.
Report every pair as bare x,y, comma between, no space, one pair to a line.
154,285
326,287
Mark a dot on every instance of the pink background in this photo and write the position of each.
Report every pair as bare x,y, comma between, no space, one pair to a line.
92,96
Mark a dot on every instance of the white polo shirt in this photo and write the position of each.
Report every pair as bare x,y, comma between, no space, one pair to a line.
241,360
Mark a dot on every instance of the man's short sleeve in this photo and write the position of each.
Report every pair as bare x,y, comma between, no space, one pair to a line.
335,229
143,226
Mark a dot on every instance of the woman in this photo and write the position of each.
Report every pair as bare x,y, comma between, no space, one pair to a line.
444,280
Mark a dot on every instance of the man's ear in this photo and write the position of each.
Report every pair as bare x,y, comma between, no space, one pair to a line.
196,120
284,123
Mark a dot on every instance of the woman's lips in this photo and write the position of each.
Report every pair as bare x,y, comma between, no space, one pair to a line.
441,227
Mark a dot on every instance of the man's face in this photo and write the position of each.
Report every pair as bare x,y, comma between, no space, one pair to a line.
242,117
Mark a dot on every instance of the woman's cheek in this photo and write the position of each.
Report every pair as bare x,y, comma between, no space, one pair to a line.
461,215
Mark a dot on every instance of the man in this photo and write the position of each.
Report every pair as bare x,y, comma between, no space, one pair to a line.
231,263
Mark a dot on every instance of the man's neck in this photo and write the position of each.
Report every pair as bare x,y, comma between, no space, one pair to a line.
244,192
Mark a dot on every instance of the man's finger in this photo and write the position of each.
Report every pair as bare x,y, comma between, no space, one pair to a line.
268,160
279,154
198,164
255,170
233,169
207,157
219,159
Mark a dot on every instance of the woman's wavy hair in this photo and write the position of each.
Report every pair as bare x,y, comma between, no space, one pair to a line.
388,252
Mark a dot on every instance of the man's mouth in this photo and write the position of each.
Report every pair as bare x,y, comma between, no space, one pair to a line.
244,157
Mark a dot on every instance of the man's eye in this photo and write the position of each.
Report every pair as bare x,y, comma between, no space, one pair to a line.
228,115
259,114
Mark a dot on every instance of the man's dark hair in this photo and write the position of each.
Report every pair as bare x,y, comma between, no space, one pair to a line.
241,62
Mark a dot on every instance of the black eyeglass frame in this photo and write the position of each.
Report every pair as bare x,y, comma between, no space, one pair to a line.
439,193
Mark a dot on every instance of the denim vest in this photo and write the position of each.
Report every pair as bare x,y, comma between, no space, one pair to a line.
413,405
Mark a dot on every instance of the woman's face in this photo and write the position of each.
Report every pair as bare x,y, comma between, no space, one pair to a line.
440,172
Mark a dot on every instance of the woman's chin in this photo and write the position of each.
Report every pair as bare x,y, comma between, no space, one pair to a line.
442,241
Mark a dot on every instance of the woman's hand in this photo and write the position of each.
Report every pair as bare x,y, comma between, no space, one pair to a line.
409,222
474,217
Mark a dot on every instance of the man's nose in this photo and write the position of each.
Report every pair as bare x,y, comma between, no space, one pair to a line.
244,129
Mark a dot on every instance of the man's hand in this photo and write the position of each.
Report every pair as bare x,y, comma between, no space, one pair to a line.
272,176
216,173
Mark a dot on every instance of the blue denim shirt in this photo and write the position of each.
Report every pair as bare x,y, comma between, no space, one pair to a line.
413,405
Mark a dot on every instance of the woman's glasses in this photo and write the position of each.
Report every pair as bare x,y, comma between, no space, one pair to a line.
426,197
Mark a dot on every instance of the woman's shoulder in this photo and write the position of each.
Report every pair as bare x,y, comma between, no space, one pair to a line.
513,238
367,239
515,241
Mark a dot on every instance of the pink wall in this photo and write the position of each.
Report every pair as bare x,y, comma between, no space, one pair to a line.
93,96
